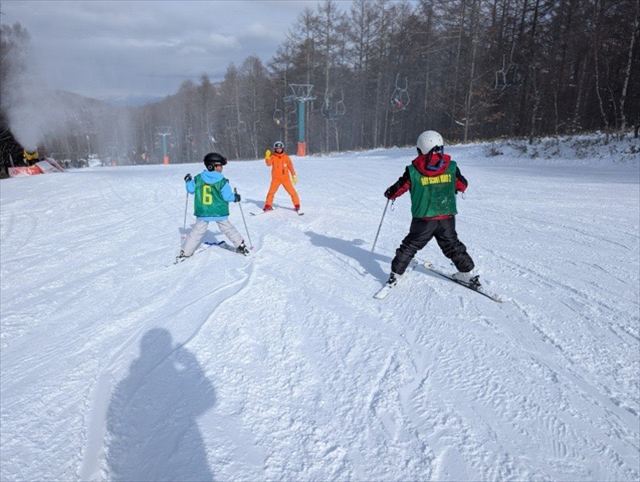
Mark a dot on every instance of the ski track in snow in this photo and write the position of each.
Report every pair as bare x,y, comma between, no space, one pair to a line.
298,372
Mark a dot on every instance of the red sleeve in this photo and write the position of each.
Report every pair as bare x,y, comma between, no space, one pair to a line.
461,182
399,187
402,188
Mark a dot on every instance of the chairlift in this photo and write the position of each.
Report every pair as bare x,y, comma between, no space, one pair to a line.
290,107
278,115
333,111
400,97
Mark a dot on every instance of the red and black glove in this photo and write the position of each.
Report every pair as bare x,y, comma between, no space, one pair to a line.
389,192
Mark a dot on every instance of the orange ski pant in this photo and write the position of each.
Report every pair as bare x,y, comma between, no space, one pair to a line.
276,182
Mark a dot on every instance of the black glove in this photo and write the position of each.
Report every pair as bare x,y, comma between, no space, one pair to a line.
187,178
389,193
237,198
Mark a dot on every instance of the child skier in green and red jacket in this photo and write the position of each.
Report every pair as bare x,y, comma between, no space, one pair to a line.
433,180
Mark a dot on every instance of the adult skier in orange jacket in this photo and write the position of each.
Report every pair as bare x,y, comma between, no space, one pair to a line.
282,173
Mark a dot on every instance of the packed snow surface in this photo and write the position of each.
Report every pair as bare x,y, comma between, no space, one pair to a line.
117,364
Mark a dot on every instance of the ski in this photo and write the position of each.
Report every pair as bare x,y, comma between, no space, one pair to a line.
299,213
228,247
477,288
383,292
205,246
221,244
200,249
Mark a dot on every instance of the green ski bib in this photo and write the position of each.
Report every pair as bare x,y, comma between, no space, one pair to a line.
433,196
208,199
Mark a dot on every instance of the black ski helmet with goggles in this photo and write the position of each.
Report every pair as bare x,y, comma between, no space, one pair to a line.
214,159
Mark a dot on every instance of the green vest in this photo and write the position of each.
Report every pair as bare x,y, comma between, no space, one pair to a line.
208,199
433,196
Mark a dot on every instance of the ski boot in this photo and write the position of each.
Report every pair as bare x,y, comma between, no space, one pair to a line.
267,207
468,278
393,279
242,249
181,257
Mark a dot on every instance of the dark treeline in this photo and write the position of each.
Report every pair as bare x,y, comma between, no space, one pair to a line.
382,71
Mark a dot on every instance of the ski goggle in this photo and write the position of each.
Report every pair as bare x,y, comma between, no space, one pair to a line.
278,145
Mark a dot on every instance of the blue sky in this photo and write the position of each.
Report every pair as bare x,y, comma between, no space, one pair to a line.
110,49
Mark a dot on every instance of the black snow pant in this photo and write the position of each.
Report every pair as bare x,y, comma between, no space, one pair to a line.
421,233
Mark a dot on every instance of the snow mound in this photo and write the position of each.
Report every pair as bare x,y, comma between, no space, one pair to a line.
586,150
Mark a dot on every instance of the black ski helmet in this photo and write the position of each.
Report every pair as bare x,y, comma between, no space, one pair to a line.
214,159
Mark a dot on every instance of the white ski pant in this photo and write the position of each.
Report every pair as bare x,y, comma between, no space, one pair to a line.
194,238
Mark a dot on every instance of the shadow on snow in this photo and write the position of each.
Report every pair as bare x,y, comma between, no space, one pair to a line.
370,262
151,421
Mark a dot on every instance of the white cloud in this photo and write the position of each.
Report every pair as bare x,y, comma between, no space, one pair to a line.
140,43
259,30
148,47
218,41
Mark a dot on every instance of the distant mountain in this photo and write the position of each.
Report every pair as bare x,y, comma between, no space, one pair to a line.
65,97
111,101
132,100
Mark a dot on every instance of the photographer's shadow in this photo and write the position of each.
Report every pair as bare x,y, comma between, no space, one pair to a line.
153,433
369,261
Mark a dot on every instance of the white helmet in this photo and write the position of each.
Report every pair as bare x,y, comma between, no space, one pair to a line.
428,140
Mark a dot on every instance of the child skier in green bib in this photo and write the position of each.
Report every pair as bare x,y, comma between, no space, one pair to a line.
433,180
212,194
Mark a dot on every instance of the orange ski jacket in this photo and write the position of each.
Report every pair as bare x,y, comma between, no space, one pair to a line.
281,165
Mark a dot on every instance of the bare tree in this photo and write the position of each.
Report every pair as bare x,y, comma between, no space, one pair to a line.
627,76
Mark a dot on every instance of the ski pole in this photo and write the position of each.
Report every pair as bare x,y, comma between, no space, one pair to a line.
186,206
184,224
380,226
235,191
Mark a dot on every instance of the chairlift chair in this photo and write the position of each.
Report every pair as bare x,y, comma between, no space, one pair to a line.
278,115
400,97
333,111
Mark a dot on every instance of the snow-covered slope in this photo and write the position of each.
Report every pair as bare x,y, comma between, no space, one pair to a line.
116,364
